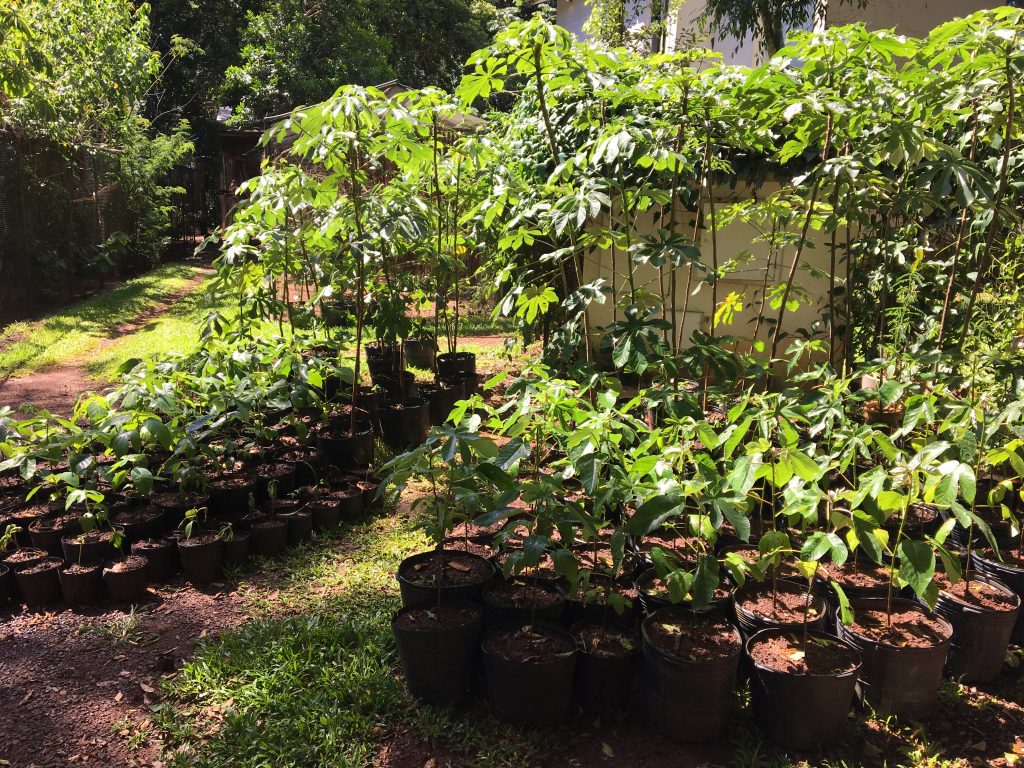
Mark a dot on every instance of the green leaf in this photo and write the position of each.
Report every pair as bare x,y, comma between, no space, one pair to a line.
917,565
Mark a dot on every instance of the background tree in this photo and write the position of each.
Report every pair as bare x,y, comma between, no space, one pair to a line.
767,21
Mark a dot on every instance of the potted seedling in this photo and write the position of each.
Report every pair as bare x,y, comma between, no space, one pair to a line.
803,680
268,535
201,550
36,574
903,648
982,611
438,630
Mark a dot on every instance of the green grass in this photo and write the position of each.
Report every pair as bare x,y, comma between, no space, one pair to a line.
313,680
72,335
176,331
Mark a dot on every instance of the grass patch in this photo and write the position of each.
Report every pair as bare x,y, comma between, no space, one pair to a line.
70,335
313,680
176,331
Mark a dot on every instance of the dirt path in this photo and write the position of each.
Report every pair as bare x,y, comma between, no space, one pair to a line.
58,389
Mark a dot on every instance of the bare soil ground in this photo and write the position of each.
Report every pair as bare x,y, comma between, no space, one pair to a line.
76,685
58,389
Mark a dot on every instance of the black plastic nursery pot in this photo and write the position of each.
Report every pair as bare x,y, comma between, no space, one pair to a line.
529,673
404,425
441,401
420,353
751,621
24,557
300,526
268,537
236,548
39,583
981,635
590,602
126,579
803,709
456,365
47,532
81,584
325,512
5,585
138,523
417,578
281,474
382,359
88,547
898,680
202,557
176,504
1005,573
522,601
229,495
440,648
689,693
607,658
341,449
161,558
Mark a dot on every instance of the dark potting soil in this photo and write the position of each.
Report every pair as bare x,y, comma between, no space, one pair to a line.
471,529
466,545
91,537
46,565
784,607
528,645
58,523
442,617
602,559
785,569
199,539
515,533
917,515
177,500
130,563
545,568
275,471
670,540
867,575
231,482
693,640
76,568
1014,558
605,642
820,657
131,515
908,629
152,543
596,593
980,594
454,569
520,595
23,555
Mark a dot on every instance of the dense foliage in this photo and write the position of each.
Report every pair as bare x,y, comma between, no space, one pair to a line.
884,436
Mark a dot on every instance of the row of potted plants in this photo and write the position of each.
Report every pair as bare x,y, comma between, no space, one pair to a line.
858,549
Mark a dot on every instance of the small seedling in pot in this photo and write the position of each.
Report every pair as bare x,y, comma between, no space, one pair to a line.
193,516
